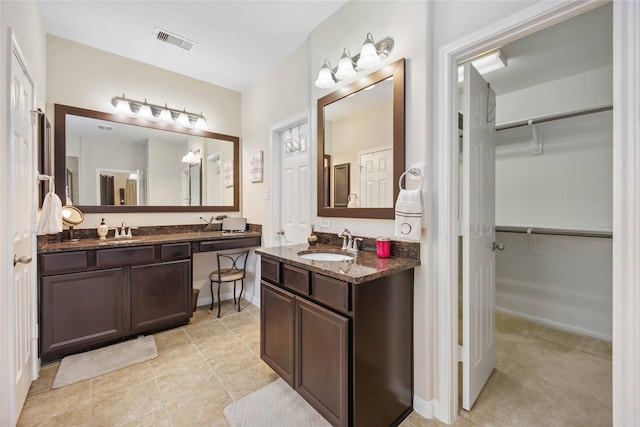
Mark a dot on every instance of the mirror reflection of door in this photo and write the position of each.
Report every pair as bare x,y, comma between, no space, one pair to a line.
326,181
195,183
118,188
341,179
214,180
375,183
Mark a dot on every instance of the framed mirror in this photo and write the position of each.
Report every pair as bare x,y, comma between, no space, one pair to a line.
361,129
112,163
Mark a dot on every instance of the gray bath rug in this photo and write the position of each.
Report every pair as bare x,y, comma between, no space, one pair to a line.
80,367
276,405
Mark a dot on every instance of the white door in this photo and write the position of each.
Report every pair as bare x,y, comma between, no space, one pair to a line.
22,302
295,185
376,179
478,230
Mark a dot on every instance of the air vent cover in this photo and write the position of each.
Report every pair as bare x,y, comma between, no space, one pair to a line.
174,39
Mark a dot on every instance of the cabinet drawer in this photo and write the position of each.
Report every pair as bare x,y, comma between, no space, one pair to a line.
332,292
270,270
218,245
175,250
63,262
296,279
124,256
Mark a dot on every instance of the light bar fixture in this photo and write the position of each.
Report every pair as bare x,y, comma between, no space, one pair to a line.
192,156
149,111
370,56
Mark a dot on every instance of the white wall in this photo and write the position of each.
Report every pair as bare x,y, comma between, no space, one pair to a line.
85,77
569,185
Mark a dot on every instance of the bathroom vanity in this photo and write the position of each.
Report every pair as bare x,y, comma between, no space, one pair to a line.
93,292
340,333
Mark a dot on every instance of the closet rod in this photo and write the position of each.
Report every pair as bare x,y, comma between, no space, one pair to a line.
554,231
555,117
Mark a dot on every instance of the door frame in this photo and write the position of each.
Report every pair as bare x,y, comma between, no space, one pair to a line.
274,144
626,195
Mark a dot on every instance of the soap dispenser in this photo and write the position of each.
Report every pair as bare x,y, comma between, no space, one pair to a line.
103,230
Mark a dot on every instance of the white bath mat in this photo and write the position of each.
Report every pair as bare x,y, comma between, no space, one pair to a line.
80,367
276,405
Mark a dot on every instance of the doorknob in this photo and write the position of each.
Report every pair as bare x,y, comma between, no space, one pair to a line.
280,232
25,259
498,246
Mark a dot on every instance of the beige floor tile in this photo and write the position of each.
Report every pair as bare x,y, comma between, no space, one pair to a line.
50,403
127,405
181,383
202,314
200,409
236,320
45,379
157,418
108,384
169,340
249,381
233,360
178,359
415,420
211,347
200,331
77,417
250,335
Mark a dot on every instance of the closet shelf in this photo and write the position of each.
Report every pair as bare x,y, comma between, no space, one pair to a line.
554,231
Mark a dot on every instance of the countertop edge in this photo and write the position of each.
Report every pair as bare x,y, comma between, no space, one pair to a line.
319,266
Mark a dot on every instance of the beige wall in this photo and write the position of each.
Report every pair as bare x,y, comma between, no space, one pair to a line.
81,76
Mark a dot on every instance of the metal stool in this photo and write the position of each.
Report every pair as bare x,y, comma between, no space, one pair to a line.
232,274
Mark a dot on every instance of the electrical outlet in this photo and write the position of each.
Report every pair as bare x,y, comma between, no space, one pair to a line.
325,223
266,193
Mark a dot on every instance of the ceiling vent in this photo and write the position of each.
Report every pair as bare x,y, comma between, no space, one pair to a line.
174,39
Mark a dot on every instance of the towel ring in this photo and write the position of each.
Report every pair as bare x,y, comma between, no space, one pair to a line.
414,172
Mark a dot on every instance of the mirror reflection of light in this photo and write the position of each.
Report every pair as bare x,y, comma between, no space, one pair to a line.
66,213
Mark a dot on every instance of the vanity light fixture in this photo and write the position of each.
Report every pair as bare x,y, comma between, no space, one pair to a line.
370,56
191,157
158,112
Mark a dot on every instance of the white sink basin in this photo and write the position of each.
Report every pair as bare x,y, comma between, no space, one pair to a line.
325,256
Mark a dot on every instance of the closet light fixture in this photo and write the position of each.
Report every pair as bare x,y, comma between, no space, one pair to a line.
164,113
370,56
486,63
191,157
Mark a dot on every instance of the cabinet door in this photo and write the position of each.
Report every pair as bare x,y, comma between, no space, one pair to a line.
322,354
80,310
277,330
160,295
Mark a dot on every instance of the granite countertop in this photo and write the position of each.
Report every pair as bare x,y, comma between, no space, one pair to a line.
365,267
152,239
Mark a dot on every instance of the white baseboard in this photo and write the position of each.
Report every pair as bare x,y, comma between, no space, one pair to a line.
423,408
554,324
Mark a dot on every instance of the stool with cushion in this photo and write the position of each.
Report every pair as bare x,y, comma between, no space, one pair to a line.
234,270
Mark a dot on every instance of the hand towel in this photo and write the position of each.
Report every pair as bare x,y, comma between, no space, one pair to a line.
409,214
51,215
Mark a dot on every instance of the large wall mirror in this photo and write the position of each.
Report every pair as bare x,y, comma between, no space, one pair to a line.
111,163
361,130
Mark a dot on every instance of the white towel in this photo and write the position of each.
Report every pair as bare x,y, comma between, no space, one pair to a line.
51,215
409,214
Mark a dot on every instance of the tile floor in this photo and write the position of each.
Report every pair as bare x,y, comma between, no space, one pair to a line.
204,366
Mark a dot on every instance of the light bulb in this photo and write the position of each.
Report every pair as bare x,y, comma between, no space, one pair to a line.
345,66
325,79
201,123
165,114
183,119
122,106
368,55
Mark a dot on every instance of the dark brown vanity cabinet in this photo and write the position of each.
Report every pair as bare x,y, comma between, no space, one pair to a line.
92,297
346,348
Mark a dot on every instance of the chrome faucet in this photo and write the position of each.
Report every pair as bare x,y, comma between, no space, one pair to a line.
209,225
123,232
349,243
